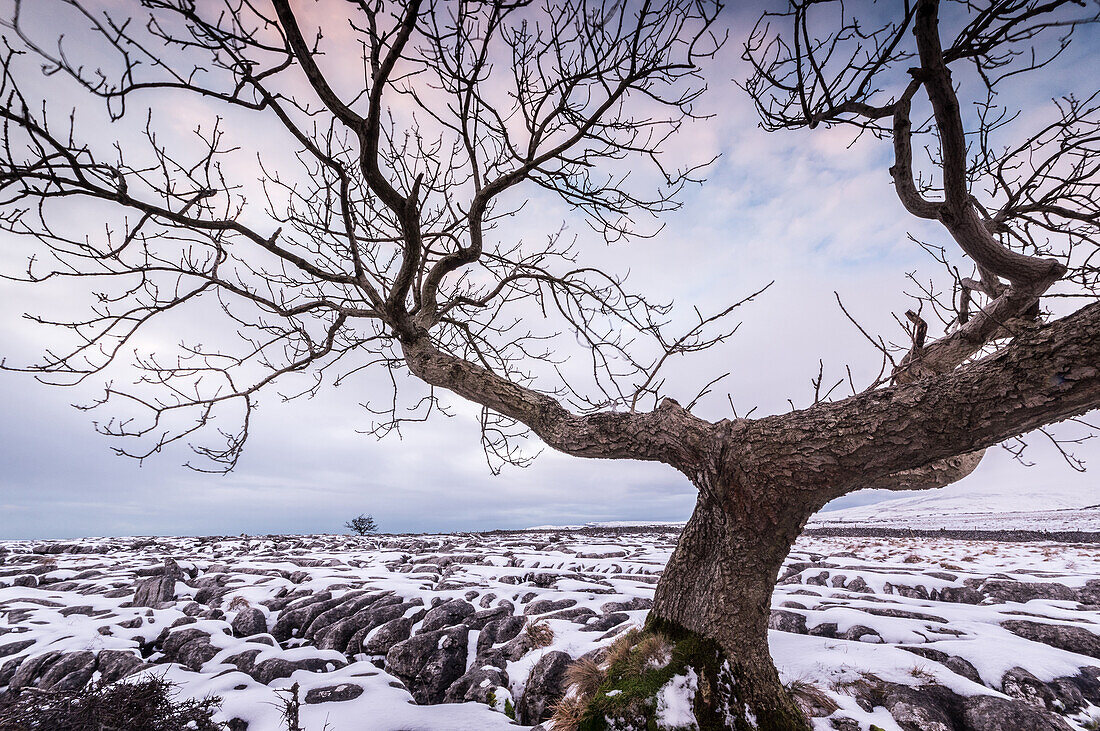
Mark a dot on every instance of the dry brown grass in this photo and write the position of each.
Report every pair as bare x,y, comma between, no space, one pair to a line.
584,677
569,712
539,633
239,603
619,650
653,651
921,672
811,700
639,651
866,688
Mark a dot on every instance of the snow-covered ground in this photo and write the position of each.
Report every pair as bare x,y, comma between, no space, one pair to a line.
964,615
940,509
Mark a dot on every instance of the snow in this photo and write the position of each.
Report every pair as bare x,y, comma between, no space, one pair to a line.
613,524
973,509
901,605
674,701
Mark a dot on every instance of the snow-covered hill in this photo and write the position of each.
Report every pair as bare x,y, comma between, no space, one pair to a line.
973,509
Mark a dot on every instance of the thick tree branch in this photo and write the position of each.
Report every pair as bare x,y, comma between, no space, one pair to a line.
1046,375
958,212
929,477
902,169
669,434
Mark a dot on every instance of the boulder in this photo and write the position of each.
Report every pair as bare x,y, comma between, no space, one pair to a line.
577,615
334,693
605,622
912,592
376,616
825,629
954,663
30,669
339,635
249,621
785,621
862,633
277,667
7,670
543,606
12,648
498,631
478,620
476,685
635,604
1065,637
987,713
543,688
858,585
69,672
173,642
351,603
292,622
1022,685
243,661
430,662
447,614
159,588
386,636
1090,592
915,709
196,653
1087,681
154,591
960,595
1022,591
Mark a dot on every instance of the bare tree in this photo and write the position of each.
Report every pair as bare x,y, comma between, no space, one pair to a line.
362,525
382,240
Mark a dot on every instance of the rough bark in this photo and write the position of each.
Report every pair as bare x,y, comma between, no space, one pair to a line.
1048,374
719,584
937,474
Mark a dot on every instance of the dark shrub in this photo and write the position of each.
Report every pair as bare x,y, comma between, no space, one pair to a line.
146,705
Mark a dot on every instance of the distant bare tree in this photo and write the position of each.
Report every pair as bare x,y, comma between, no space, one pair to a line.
362,525
383,241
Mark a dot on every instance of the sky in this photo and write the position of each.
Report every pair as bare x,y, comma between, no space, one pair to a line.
809,210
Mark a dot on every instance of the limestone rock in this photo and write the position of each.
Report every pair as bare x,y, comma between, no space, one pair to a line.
430,662
544,686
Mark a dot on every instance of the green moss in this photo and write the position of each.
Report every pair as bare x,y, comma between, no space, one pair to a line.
633,687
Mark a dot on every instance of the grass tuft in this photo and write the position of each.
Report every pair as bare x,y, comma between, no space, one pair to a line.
584,677
813,701
569,712
539,633
238,603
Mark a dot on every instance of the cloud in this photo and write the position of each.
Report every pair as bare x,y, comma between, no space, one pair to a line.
804,209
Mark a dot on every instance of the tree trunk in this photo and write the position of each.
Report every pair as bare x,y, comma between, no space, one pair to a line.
719,584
